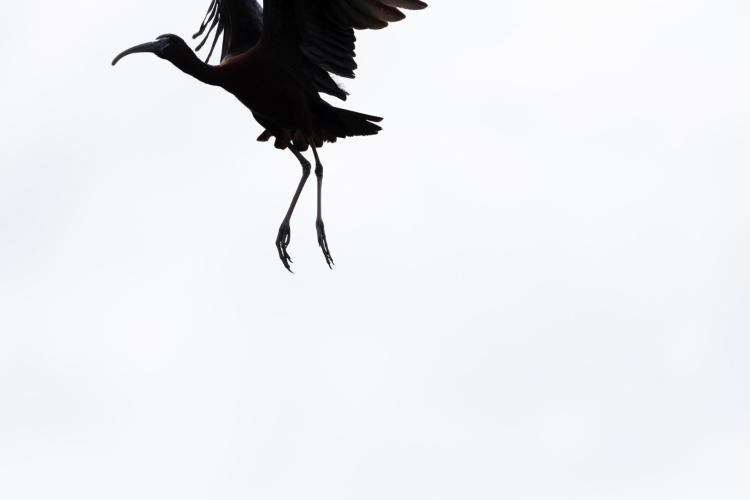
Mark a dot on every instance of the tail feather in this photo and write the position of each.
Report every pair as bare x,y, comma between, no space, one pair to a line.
348,123
329,124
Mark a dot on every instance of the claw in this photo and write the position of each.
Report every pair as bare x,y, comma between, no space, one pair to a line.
282,242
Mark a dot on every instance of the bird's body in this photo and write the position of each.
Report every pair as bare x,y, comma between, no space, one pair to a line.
277,61
286,105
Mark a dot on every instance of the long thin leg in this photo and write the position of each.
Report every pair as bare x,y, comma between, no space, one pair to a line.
319,226
282,240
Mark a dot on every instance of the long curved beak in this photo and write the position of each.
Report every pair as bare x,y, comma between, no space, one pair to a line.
144,47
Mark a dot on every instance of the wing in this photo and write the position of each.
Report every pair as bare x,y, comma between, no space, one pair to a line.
321,32
240,21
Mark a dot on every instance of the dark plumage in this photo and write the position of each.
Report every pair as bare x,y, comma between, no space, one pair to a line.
276,61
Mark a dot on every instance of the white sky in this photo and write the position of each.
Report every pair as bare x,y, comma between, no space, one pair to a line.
542,284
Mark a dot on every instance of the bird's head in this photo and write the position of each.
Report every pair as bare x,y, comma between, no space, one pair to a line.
169,47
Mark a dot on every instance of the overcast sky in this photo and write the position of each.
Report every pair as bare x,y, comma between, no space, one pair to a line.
542,289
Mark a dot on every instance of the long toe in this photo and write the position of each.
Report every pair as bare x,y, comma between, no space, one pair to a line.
282,242
323,242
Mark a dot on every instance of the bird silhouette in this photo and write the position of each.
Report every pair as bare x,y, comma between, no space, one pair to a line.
277,60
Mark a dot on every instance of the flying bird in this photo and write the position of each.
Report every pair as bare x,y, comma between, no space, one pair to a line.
277,60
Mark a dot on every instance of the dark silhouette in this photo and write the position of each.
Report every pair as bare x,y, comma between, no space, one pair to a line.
276,61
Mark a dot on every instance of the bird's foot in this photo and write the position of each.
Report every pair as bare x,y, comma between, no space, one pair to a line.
282,241
323,242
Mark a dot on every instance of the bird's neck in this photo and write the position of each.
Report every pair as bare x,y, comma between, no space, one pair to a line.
196,68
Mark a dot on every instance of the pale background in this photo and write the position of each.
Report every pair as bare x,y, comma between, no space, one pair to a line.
542,288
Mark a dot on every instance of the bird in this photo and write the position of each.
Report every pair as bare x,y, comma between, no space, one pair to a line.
277,60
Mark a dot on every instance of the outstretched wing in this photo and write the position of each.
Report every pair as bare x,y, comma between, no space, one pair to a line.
240,21
322,32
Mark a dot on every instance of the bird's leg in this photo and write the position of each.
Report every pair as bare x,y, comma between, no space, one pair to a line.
319,226
282,240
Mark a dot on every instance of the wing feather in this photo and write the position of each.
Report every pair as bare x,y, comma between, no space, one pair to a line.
240,21
322,31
